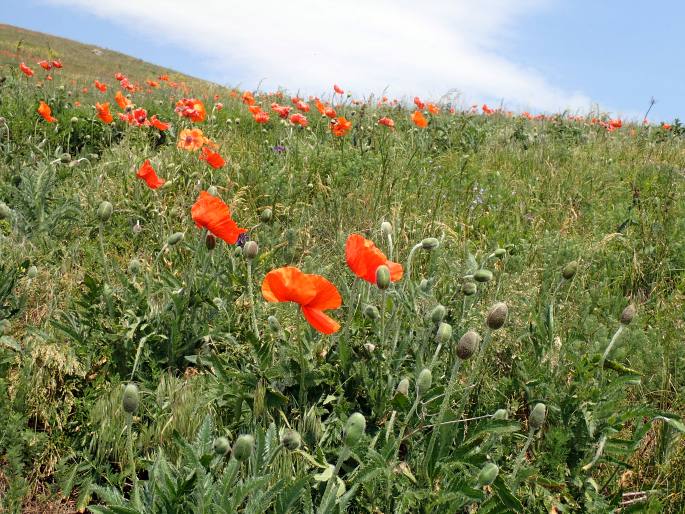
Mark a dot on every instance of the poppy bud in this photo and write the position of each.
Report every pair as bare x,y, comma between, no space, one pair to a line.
537,416
32,272
444,333
65,157
137,229
424,382
250,250
369,347
131,398
274,325
291,439
500,252
238,251
265,216
403,387
438,313
569,270
386,228
430,243
488,474
354,429
468,345
469,288
105,211
5,211
371,312
500,414
628,314
4,327
242,449
74,119
425,285
210,242
212,190
497,315
221,446
134,266
382,277
174,238
482,275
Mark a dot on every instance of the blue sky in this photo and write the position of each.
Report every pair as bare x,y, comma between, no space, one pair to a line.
539,55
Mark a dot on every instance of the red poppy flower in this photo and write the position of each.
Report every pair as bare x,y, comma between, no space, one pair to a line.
213,158
45,111
313,293
261,117
218,106
100,86
319,106
214,215
299,119
148,174
49,77
419,104
338,89
191,108
254,109
487,109
140,117
387,122
44,64
330,112
158,124
282,110
248,98
615,124
419,119
152,83
103,112
119,76
57,64
302,106
165,78
121,100
340,126
363,258
26,70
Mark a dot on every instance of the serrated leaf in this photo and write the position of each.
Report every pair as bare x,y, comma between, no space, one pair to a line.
325,475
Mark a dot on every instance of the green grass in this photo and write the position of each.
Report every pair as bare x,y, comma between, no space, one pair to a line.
549,192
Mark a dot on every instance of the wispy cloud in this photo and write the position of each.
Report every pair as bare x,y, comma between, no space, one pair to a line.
405,47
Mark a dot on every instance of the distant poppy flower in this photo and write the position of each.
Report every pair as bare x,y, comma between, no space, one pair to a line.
364,258
57,64
261,117
340,126
218,106
191,139
191,108
248,98
615,124
419,104
152,83
46,113
433,109
330,112
419,119
319,106
119,76
338,89
165,78
212,158
44,64
49,77
148,174
139,117
121,100
666,126
302,106
100,86
26,70
387,122
299,119
487,110
211,213
103,112
281,110
254,109
126,84
158,124
313,293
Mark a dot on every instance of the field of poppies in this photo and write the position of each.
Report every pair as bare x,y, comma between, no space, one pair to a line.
216,300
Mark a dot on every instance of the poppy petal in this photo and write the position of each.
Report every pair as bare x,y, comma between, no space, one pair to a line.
327,295
288,284
320,320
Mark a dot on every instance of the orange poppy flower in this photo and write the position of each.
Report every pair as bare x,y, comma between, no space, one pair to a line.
419,119
281,110
103,112
148,174
419,104
330,112
119,76
213,158
57,64
49,77
191,108
338,89
211,213
363,258
433,109
45,111
261,117
44,64
158,124
299,119
152,83
340,126
248,98
100,86
254,109
26,70
121,100
487,110
313,293
165,78
387,122
191,140
319,106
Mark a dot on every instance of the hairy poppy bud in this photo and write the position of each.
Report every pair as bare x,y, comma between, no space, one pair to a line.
5,211
537,416
65,157
382,277
266,215
482,275
500,252
468,344
424,382
500,414
569,270
438,313
274,325
174,238
32,272
444,333
628,314
242,449
371,312
74,119
430,243
354,429
403,387
131,398
212,190
134,266
105,211
425,285
221,446
497,315
210,242
291,439
137,229
386,228
250,250
488,474
469,288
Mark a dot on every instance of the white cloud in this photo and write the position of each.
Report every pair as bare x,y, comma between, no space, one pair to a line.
411,48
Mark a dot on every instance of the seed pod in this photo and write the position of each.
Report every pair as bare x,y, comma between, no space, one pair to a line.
131,398
65,157
500,253
424,382
212,190
174,238
265,216
469,288
482,275
386,228
438,313
242,449
250,250
403,387
291,439
210,242
430,243
274,325
74,119
628,314
221,446
371,312
5,211
497,315
569,270
32,272
537,416
500,414
468,345
354,429
382,277
105,211
488,474
444,333
134,267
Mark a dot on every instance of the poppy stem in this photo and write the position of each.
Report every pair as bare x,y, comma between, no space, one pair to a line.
250,292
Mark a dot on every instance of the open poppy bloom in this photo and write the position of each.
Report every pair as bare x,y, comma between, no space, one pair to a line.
319,106
299,119
45,111
148,174
313,293
338,89
419,104
419,119
340,126
45,64
158,124
119,76
281,110
100,86
330,112
121,100
386,122
302,106
248,98
103,112
191,140
363,257
433,109
26,70
152,83
261,117
212,158
211,213
165,78
57,64
191,108
487,110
